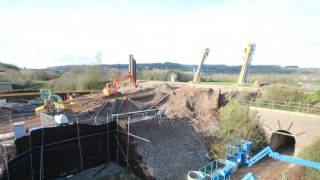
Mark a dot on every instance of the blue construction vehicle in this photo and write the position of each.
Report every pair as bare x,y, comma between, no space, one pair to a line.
237,156
249,176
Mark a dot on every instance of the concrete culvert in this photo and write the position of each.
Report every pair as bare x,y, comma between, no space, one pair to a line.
283,142
195,175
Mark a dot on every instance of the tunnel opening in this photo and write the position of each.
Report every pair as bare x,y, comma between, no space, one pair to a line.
283,141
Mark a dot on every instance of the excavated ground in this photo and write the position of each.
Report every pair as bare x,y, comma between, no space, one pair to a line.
178,144
174,148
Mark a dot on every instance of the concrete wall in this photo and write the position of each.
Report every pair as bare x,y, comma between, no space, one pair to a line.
62,154
303,127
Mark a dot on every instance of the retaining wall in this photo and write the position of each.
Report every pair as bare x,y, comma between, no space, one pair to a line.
70,149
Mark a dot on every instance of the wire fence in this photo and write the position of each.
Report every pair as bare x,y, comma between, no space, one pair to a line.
287,106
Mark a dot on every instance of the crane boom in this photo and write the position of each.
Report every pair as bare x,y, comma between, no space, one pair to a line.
248,53
196,77
269,152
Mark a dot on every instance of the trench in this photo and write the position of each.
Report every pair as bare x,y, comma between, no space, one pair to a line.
283,141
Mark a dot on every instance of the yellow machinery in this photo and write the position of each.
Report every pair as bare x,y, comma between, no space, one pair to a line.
247,59
196,78
52,103
54,107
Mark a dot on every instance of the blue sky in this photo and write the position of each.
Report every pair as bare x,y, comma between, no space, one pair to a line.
37,33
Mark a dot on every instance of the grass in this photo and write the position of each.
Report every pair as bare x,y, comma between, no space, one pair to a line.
312,153
236,122
309,153
285,93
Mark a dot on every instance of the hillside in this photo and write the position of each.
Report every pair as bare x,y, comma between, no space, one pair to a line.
207,68
4,66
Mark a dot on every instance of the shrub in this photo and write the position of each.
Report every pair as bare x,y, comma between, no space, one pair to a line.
39,74
236,122
314,98
311,153
15,77
283,93
244,96
160,75
290,94
91,77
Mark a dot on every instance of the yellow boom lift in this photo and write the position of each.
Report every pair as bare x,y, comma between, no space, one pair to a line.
247,59
196,78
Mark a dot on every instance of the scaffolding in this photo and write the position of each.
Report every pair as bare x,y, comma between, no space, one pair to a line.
124,150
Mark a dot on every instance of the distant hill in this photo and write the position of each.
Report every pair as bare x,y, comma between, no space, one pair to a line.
207,68
4,66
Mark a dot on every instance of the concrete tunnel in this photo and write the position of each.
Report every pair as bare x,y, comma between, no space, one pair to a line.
283,141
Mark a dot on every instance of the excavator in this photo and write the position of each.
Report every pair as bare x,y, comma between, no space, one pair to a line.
52,103
112,90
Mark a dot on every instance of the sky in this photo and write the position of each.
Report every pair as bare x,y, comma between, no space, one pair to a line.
39,34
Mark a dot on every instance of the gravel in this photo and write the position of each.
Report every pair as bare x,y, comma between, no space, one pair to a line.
175,148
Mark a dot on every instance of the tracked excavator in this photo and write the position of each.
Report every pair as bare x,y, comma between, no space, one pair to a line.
112,90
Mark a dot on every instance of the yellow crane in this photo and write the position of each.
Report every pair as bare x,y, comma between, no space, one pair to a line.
196,78
248,53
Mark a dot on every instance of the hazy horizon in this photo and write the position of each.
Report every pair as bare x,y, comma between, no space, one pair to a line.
85,64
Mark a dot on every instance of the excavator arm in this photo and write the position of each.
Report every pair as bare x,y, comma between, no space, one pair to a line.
112,89
122,77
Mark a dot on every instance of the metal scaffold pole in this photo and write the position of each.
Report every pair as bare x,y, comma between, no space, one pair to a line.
128,143
117,138
41,158
79,142
6,161
108,150
30,150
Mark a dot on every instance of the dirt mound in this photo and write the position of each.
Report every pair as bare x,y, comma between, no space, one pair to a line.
164,88
197,105
16,108
200,105
88,102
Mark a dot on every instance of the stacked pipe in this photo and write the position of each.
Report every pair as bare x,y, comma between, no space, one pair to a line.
132,67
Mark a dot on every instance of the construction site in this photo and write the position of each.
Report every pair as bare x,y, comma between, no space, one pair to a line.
135,129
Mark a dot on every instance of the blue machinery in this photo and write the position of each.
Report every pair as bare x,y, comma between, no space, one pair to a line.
237,155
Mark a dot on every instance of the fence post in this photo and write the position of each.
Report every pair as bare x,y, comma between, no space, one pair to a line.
128,144
117,138
79,142
41,154
108,150
10,121
30,155
290,106
6,161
